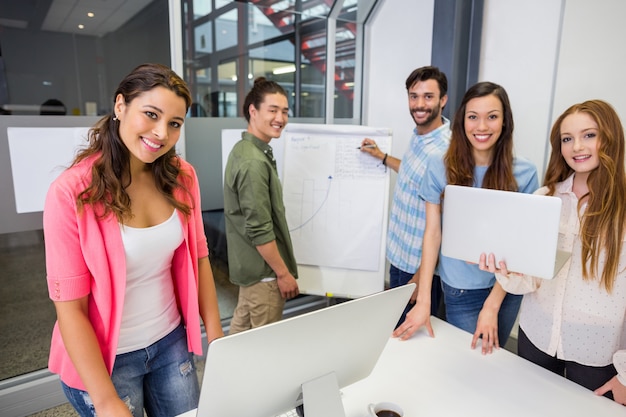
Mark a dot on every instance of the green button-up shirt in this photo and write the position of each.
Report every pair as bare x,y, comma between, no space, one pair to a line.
254,211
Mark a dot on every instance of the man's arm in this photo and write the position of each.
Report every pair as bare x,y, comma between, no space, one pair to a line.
369,146
286,282
419,315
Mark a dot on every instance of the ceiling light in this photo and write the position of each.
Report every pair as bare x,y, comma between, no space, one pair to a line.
90,14
81,26
284,70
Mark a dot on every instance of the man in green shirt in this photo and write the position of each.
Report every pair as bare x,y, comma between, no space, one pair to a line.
260,252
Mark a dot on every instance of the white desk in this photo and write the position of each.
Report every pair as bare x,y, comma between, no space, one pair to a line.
443,377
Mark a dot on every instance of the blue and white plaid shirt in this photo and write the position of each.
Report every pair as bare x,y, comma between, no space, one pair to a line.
407,219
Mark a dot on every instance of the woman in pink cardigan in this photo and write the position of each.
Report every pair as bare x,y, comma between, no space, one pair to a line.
127,259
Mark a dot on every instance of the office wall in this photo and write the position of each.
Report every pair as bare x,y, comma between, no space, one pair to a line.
592,56
398,40
519,51
550,54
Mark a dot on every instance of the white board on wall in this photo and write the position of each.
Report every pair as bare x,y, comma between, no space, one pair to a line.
38,155
336,199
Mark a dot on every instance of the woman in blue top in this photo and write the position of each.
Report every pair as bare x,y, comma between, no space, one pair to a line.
480,155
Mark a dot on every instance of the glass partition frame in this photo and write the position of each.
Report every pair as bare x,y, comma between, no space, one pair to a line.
311,47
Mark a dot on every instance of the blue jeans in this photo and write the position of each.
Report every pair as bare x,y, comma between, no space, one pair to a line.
398,277
160,378
463,307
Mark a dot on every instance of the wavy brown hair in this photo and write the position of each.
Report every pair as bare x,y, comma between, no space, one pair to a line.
459,158
602,223
111,167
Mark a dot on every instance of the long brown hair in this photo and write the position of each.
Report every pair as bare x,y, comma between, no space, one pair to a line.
111,168
602,223
459,158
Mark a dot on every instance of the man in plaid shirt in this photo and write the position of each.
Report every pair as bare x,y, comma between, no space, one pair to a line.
427,89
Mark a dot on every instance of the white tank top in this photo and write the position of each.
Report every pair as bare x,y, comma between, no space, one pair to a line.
150,310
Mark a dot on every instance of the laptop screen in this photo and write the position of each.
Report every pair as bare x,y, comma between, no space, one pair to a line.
520,229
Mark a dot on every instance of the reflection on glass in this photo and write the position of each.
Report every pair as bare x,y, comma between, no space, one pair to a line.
349,11
203,39
202,105
345,49
312,103
226,30
201,8
283,13
276,52
260,27
277,62
219,3
27,313
226,97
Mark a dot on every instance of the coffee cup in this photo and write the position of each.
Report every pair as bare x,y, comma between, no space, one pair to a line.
385,409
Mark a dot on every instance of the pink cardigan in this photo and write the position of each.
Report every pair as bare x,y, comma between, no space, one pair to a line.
85,256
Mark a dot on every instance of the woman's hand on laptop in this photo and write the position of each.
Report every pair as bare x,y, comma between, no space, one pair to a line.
488,263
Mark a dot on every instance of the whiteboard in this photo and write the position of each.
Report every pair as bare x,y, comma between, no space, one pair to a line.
38,155
336,200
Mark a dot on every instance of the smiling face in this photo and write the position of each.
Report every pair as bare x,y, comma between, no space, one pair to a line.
425,105
483,126
269,120
150,124
580,143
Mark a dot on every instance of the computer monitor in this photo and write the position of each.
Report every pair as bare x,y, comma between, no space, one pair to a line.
261,372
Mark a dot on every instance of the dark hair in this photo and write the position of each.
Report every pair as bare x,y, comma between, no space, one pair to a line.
459,158
602,224
428,73
256,96
111,169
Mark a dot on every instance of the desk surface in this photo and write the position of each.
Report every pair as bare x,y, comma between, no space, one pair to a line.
443,376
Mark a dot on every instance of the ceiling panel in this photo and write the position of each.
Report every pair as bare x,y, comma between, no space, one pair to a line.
66,15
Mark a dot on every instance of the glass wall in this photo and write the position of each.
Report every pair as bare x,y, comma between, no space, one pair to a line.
300,44
80,68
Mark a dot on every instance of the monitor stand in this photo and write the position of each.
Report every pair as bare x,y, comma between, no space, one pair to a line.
322,397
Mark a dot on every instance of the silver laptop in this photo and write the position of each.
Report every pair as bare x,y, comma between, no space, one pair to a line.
261,372
521,229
